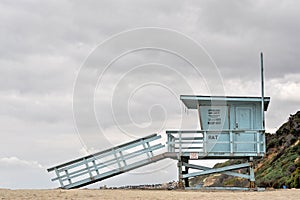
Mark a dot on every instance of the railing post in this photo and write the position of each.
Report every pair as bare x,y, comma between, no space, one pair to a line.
258,142
88,168
68,177
59,179
264,141
147,152
96,169
173,143
122,157
168,142
117,158
180,144
204,142
231,142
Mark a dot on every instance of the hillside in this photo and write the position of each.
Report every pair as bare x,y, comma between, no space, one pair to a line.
281,165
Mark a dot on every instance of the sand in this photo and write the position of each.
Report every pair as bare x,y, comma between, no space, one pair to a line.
147,194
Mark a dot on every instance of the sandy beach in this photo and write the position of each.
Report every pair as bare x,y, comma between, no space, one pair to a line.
146,194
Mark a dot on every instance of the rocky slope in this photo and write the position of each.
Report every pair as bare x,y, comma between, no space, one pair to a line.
280,166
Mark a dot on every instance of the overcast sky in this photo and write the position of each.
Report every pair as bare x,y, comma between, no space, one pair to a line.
45,46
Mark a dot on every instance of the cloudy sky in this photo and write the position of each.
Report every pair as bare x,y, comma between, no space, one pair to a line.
53,67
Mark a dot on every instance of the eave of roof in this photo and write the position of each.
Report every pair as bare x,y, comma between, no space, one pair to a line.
191,101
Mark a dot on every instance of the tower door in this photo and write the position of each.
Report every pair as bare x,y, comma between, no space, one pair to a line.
244,118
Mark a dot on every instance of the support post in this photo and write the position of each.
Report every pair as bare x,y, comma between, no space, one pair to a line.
251,173
180,175
185,161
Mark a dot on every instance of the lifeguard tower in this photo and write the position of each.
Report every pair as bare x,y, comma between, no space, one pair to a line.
231,128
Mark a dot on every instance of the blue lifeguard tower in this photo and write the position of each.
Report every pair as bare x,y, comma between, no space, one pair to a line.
232,127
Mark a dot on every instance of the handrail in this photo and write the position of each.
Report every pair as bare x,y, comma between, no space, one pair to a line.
107,163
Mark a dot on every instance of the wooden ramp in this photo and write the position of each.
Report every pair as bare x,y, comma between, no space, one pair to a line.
109,163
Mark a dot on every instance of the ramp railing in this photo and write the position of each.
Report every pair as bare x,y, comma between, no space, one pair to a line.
107,163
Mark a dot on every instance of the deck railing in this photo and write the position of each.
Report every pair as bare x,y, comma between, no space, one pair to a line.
225,143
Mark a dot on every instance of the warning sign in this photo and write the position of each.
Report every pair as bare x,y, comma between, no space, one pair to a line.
194,155
214,116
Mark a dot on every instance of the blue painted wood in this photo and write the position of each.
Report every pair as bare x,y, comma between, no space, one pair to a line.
97,167
102,154
108,151
108,163
232,112
215,144
199,167
216,170
191,101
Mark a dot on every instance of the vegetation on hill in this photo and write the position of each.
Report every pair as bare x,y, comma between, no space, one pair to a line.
280,166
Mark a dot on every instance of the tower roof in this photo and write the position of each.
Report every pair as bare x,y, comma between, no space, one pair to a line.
191,101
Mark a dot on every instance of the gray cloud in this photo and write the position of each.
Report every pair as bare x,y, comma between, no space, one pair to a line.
43,45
